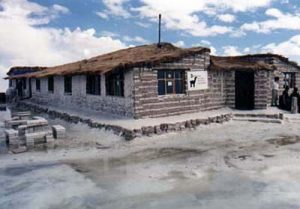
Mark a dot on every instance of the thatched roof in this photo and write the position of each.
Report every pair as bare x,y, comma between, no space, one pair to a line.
248,62
21,69
235,63
140,56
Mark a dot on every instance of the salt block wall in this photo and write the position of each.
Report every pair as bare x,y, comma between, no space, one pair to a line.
147,102
79,98
230,88
261,89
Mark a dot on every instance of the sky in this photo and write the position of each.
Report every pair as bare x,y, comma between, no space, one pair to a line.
53,32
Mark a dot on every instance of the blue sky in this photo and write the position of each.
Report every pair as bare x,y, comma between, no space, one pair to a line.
52,32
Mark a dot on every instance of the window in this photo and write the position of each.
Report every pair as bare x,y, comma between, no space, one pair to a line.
289,80
51,84
68,84
24,83
170,82
93,84
38,84
115,83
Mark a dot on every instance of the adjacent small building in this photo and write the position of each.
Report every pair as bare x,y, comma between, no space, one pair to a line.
158,81
22,85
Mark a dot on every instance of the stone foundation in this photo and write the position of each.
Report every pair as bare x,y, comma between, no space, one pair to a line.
127,133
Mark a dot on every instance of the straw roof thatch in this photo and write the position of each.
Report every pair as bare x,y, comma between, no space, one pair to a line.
235,63
140,56
25,68
248,62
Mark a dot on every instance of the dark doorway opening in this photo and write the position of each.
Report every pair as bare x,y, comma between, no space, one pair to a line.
244,90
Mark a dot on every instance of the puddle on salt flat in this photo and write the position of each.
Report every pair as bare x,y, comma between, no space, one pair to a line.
53,186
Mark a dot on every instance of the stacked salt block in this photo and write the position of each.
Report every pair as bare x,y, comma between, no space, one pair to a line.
59,132
25,115
12,137
30,132
14,123
36,132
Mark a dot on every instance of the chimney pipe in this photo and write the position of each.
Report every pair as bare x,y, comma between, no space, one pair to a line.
159,31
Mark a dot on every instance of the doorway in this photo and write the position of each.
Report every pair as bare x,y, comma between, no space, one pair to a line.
244,90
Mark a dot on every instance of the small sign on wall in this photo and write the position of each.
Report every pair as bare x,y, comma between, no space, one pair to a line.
197,80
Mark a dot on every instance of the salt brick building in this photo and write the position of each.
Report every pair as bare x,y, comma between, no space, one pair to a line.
152,81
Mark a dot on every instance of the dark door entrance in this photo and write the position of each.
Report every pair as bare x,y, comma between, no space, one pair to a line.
244,90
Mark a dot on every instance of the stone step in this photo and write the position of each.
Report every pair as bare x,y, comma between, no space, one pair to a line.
292,118
261,120
256,115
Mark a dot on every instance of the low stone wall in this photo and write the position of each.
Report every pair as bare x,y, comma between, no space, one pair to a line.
127,133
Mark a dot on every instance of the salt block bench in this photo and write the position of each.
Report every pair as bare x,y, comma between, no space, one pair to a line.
33,126
59,132
36,138
25,115
14,123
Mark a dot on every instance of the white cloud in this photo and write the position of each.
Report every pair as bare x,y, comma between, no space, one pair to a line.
289,48
22,43
205,42
60,9
179,44
3,83
180,15
136,39
115,8
184,14
213,50
109,34
228,18
231,51
102,15
208,44
20,9
143,24
279,21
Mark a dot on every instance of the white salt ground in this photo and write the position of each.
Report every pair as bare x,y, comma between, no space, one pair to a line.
235,165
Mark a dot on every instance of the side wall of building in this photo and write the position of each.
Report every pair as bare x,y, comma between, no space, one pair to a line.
282,67
79,99
261,88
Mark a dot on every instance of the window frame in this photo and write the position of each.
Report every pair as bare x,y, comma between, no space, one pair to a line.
38,84
115,83
51,84
291,80
91,84
68,84
166,79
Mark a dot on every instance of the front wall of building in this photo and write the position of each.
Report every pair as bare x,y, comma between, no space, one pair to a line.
80,100
262,89
149,104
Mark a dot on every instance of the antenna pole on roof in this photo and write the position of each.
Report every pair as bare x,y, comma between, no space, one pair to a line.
159,30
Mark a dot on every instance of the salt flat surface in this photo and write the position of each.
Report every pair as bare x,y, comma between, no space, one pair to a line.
235,165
